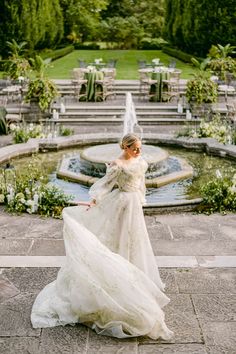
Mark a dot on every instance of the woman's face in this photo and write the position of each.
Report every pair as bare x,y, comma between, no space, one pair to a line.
135,149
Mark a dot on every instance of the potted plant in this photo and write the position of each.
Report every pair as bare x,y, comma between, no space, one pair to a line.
201,90
40,89
221,63
17,65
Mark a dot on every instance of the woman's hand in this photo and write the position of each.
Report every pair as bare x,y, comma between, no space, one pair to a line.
88,204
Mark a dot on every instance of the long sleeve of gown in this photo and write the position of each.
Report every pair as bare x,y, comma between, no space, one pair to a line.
105,184
143,190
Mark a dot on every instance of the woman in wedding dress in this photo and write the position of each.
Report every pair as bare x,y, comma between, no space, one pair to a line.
110,281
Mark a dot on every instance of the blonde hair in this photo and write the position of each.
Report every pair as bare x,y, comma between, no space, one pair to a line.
128,140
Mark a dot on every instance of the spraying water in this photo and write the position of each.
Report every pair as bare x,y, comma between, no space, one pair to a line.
130,119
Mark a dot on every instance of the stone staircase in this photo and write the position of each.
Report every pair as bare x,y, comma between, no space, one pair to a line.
112,113
109,112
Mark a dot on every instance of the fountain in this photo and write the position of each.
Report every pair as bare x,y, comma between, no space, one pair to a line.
91,163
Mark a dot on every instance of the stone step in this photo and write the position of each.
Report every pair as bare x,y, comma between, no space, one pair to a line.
121,113
117,120
71,109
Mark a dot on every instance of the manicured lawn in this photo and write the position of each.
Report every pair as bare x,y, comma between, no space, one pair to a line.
127,67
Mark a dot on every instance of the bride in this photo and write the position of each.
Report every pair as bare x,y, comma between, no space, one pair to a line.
110,281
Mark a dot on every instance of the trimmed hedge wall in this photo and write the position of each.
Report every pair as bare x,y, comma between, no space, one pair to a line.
92,46
58,53
176,53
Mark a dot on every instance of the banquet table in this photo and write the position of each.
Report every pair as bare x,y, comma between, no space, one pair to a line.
159,75
92,76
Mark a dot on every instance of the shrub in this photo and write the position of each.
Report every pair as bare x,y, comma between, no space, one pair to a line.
201,90
215,128
58,53
92,46
30,192
176,53
148,43
3,122
22,132
65,131
219,194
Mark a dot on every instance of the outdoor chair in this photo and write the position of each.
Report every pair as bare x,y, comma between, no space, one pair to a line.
145,83
82,63
111,63
231,114
226,91
142,64
79,83
172,64
105,88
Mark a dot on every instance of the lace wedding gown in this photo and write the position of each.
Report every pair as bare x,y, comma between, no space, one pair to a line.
110,281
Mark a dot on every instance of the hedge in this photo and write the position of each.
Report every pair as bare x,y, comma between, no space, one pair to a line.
176,53
92,46
58,53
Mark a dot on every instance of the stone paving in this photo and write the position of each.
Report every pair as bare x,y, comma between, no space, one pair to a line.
202,310
197,259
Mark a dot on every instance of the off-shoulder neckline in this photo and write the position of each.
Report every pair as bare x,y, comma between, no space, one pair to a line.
114,163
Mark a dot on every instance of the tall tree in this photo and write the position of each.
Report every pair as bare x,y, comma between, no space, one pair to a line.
82,16
194,25
38,22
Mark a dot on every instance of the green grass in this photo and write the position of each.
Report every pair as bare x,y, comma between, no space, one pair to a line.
127,67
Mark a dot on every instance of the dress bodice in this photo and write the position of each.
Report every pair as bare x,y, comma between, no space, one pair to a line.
127,177
131,176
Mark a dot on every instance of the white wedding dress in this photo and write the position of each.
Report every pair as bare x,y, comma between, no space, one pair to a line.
110,281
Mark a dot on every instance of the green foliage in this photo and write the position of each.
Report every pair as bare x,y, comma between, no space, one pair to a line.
93,46
219,51
3,122
127,67
219,194
151,43
16,49
29,191
194,25
201,65
126,32
22,132
43,91
39,23
82,17
52,201
58,53
222,66
201,89
17,65
214,129
176,53
65,131
221,131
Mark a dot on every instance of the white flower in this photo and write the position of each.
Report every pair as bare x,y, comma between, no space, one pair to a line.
218,174
12,127
232,189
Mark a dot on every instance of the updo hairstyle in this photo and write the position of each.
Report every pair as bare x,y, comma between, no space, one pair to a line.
128,140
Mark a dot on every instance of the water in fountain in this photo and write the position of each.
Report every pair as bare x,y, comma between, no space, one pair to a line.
130,121
92,160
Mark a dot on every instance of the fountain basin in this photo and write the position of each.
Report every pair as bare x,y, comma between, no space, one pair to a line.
93,159
65,172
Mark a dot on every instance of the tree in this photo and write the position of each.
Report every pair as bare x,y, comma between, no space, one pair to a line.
39,23
194,25
82,17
